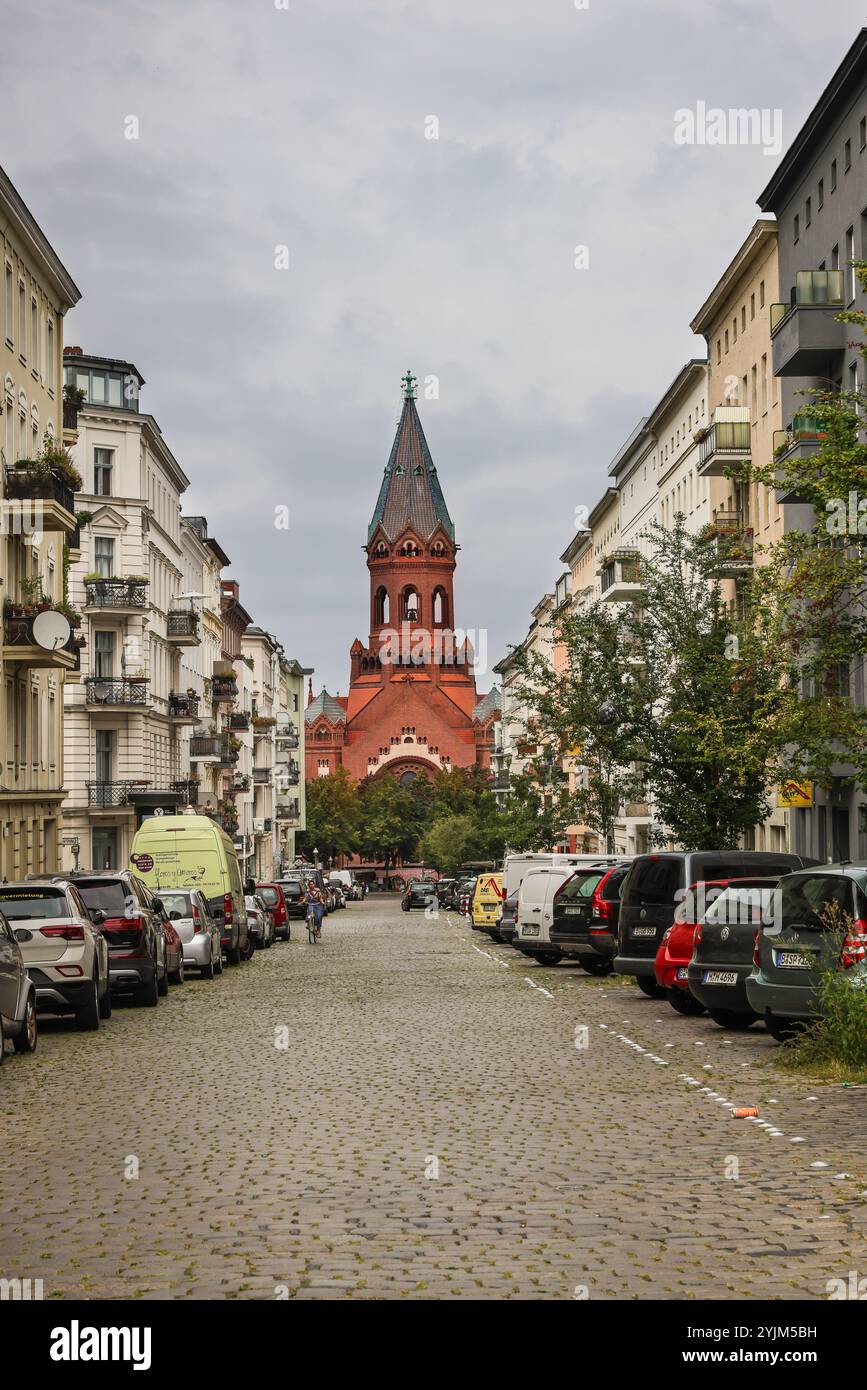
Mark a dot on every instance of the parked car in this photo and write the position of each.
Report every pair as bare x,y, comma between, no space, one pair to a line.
506,928
654,886
516,866
339,894
273,896
198,930
133,924
487,902
259,923
790,952
446,892
294,897
63,948
586,907
722,950
419,893
534,913
17,995
192,851
344,879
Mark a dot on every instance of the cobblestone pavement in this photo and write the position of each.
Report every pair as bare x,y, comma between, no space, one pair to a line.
415,1047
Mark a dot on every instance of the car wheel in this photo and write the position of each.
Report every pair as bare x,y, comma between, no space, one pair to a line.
207,971
730,1018
781,1029
27,1038
648,986
149,994
163,982
105,1004
2,1043
177,976
233,955
87,1017
218,963
596,967
547,957
683,1002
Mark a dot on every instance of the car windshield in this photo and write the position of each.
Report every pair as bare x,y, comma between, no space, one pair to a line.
747,905
292,890
268,895
816,901
653,881
582,884
108,895
19,904
177,902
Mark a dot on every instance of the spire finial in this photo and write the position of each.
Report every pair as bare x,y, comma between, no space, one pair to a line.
408,384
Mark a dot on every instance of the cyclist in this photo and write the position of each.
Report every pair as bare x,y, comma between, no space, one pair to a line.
315,906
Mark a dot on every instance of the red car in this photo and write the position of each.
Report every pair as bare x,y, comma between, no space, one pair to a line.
675,948
274,897
174,954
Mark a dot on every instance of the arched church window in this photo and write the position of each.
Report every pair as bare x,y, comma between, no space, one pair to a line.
411,606
440,607
408,777
380,606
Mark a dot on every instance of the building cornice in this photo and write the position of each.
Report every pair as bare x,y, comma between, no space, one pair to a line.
40,252
760,237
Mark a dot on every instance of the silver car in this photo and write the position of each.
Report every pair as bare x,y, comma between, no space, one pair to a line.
17,995
199,931
260,921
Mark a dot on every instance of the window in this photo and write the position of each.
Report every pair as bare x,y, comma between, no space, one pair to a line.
821,194
743,318
850,256
22,321
797,226
734,329
833,176
719,350
761,294
103,556
862,132
104,753
764,382
727,340
103,655
847,156
34,335
835,258
10,305
752,306
102,466
105,852
808,212
49,355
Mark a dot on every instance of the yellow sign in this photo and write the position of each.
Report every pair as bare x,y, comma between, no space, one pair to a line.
795,794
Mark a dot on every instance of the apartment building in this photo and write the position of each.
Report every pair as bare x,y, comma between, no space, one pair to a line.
512,750
37,523
261,652
125,746
289,755
818,195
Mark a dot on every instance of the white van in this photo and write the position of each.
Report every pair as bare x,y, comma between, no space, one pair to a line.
517,866
534,912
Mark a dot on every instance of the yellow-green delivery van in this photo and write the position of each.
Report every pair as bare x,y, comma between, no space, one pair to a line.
192,851
487,900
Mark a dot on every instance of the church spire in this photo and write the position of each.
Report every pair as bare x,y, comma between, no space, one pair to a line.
410,493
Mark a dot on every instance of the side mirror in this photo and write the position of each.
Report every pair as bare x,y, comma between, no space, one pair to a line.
97,916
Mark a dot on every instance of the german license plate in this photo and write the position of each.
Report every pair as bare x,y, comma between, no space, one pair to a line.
682,972
720,977
529,931
792,960
574,911
644,931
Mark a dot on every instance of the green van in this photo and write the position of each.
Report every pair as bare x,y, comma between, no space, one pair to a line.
192,851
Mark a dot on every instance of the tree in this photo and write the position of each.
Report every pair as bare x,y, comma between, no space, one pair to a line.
449,842
389,820
333,815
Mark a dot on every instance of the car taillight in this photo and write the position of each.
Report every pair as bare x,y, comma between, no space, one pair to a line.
598,906
122,924
667,933
197,920
854,948
67,933
227,909
696,936
757,948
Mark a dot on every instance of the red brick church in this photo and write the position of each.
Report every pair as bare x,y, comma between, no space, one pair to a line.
412,707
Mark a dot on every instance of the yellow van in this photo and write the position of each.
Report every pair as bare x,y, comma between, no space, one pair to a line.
487,900
192,851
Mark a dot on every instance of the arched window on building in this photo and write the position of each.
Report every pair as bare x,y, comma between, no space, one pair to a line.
411,606
440,607
380,606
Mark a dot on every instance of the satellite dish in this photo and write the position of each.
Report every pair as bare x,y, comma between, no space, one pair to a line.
51,630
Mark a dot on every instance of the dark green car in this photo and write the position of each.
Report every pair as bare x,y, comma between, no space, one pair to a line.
800,942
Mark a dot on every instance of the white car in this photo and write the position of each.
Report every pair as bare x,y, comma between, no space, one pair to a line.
65,953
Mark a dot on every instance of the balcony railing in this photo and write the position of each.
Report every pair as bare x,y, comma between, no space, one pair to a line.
237,721
733,543
223,688
184,706
806,333
262,776
728,440
182,627
124,690
288,774
228,755
813,288
286,811
286,742
116,593
240,782
20,644
108,794
188,791
205,746
54,497
620,576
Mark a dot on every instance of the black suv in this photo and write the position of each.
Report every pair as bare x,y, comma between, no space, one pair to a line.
134,929
656,884
420,893
584,916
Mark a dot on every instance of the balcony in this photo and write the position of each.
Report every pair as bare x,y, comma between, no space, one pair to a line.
115,595
124,692
240,782
21,647
230,751
803,438
184,709
635,809
182,628
48,502
111,796
205,747
237,722
620,577
188,791
727,443
805,332
732,543
262,776
288,774
287,742
224,689
287,813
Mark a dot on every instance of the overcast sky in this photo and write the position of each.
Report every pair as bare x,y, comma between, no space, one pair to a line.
261,127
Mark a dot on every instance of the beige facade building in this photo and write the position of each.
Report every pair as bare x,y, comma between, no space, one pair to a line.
37,525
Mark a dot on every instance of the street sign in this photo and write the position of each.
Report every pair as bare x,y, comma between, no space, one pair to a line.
793,793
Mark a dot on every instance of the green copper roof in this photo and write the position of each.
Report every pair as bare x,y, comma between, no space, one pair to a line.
410,492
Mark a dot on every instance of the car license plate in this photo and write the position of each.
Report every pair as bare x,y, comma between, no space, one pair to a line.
792,960
574,911
644,931
682,972
529,931
720,977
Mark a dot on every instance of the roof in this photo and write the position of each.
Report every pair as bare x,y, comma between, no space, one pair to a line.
837,96
35,242
325,704
688,374
410,494
762,233
489,704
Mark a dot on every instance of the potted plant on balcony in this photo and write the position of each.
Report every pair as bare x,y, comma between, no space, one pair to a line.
84,518
700,434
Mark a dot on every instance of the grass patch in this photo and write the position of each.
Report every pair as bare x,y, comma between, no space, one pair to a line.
834,1047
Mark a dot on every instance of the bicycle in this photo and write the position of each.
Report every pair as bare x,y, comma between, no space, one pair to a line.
314,928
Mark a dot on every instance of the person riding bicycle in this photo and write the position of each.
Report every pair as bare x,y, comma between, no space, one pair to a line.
315,905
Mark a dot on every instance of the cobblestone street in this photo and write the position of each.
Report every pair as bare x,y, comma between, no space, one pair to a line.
415,1047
